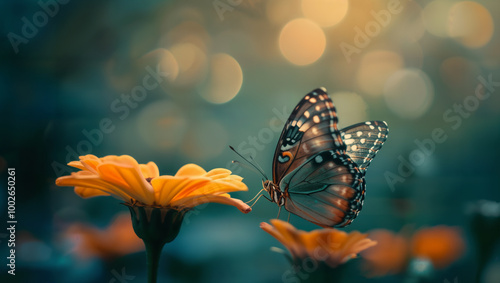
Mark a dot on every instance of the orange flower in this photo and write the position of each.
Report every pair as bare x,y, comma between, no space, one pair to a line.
332,246
141,184
440,244
389,256
117,240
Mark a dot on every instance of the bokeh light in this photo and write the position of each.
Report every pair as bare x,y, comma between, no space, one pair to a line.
375,68
192,63
409,93
470,24
302,42
281,11
164,60
189,32
325,13
435,17
224,81
162,125
412,28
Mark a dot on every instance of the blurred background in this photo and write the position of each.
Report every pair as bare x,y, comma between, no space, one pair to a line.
176,82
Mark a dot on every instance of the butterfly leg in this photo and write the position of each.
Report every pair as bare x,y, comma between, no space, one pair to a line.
255,196
279,210
256,200
288,217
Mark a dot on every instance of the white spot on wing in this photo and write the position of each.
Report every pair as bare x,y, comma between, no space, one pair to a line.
347,136
347,142
359,133
362,140
316,119
354,147
318,159
312,100
307,114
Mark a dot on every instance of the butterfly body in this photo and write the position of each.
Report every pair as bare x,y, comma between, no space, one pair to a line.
318,170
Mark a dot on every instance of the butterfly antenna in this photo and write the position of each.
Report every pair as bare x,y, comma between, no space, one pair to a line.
258,166
255,166
246,166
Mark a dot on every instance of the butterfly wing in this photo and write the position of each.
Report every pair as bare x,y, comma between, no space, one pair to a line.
310,129
328,189
364,140
320,182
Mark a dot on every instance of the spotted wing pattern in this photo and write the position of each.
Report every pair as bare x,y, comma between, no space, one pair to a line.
310,129
364,140
320,182
327,190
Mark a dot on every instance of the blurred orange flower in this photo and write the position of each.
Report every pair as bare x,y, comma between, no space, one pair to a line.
442,245
116,240
389,256
332,246
141,184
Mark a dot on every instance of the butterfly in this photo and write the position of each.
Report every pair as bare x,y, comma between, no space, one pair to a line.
318,170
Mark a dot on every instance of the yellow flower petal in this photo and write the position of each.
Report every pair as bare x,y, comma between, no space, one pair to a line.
218,173
332,246
77,164
149,170
197,200
291,236
190,170
170,186
273,232
89,192
124,177
88,180
129,179
90,162
209,188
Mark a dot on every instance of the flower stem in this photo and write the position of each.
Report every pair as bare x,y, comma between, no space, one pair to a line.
153,252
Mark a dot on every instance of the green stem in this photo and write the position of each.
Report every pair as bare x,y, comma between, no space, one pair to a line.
153,252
